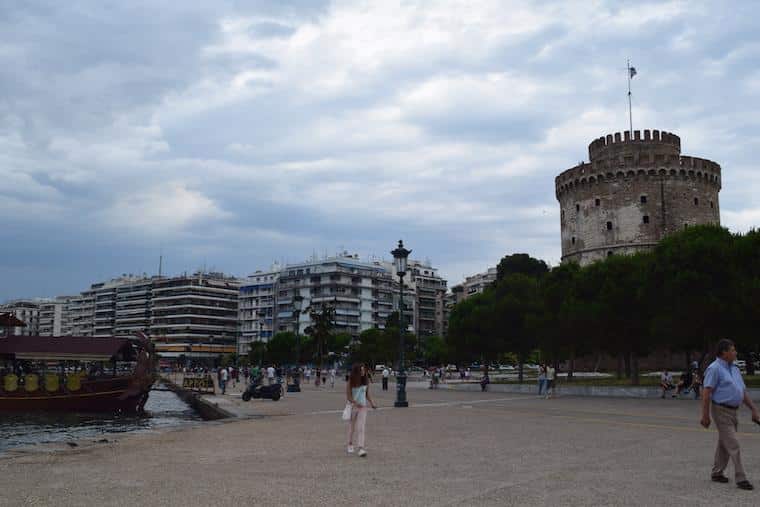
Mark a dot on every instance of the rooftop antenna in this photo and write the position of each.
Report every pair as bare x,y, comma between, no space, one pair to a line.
160,263
631,73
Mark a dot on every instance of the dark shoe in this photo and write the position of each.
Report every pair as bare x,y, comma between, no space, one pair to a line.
720,478
745,485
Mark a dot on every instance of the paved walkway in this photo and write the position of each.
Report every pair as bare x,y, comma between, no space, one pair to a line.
447,448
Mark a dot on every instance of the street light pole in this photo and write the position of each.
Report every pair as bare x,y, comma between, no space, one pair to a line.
297,304
400,255
261,338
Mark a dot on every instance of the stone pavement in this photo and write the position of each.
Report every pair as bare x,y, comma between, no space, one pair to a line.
447,448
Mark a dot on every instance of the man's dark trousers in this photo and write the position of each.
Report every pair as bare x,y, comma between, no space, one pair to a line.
385,383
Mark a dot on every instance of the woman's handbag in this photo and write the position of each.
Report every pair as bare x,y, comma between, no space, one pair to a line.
347,412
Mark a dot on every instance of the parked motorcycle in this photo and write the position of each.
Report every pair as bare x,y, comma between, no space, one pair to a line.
257,390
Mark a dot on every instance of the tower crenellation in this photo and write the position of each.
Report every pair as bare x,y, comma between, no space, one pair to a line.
635,189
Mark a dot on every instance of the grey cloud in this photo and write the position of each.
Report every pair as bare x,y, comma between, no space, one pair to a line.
284,147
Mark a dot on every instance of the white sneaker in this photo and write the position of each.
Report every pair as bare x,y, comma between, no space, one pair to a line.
350,449
362,453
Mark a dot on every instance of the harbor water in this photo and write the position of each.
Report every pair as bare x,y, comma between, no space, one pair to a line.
163,410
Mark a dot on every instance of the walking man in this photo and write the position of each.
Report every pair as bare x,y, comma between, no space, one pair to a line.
551,376
724,392
386,374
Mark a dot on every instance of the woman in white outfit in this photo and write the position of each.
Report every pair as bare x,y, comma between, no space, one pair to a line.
357,394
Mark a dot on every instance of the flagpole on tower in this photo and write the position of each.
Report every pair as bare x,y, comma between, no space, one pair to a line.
631,73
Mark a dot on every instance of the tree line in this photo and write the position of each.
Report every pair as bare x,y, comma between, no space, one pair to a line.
693,288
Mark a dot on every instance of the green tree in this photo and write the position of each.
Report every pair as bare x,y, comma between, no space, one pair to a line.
695,280
281,348
322,323
520,263
435,350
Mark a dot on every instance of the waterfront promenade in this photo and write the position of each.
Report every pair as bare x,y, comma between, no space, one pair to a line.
447,448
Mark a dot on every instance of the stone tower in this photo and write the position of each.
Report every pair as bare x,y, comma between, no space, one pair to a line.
632,193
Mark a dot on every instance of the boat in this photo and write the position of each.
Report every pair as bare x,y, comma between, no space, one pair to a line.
76,374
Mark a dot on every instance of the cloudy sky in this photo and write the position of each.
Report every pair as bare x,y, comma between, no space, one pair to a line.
232,134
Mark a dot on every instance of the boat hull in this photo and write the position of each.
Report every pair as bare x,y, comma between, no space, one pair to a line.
114,396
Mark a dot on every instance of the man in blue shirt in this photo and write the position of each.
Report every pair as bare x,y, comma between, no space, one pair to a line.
724,392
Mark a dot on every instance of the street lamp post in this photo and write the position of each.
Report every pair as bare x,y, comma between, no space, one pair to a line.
400,255
261,337
297,306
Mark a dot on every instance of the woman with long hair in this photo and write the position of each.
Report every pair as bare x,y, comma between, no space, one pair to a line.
357,394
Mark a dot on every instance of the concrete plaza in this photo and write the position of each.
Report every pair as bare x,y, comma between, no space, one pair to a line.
447,448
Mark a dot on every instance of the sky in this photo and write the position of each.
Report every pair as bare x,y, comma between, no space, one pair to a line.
229,135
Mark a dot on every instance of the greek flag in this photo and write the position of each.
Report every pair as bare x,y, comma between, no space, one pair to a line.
632,71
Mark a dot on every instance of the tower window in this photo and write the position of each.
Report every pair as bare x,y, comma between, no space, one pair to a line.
597,202
643,199
577,207
609,253
573,240
696,202
685,226
711,204
609,226
646,219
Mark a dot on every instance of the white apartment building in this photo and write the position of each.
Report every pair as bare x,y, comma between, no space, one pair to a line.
53,320
257,308
472,285
362,293
27,311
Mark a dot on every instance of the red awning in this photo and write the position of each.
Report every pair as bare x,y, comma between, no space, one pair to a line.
10,320
65,348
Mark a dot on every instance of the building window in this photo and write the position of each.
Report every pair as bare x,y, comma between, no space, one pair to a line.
643,199
597,202
646,219
573,240
562,213
711,204
609,226
577,207
696,202
609,253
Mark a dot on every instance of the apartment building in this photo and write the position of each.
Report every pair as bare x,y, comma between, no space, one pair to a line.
472,285
133,306
429,312
362,293
195,316
53,317
27,311
256,313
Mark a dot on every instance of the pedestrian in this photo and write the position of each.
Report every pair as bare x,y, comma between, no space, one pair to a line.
223,380
724,391
246,375
234,375
357,394
386,375
332,377
317,377
541,378
307,374
270,374
551,376
484,381
666,382
467,375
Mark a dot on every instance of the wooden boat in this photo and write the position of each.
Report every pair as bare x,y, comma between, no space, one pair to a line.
76,374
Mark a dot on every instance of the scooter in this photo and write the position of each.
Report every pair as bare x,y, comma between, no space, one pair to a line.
257,390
